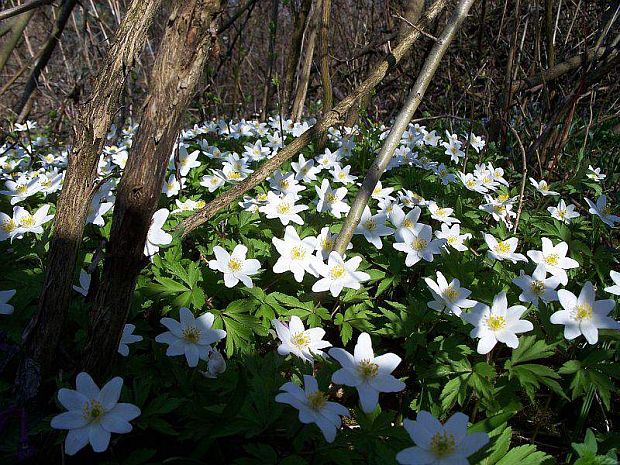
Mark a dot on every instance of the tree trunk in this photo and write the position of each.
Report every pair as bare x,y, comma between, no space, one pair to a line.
400,125
176,72
17,28
412,12
292,63
326,82
306,65
271,60
48,49
42,335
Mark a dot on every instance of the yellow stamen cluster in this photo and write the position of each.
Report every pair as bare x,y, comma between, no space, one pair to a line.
337,271
191,334
537,287
93,410
583,312
502,247
552,259
234,264
495,322
8,226
370,225
298,253
443,444
418,244
300,340
317,400
283,208
367,369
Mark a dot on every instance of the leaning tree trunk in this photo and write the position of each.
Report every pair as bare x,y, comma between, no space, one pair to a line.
306,64
400,125
292,60
176,72
15,30
42,335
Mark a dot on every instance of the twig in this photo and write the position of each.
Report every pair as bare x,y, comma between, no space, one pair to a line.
19,9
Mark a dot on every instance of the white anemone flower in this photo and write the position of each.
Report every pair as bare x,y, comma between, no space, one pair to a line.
331,200
235,266
84,283
553,259
503,250
296,255
603,210
156,235
498,323
373,227
370,375
314,406
543,187
442,214
128,337
448,296
342,175
584,314
402,221
438,444
190,336
5,307
564,213
419,244
615,289
285,183
305,170
338,274
283,208
595,174
93,414
537,286
453,237
301,342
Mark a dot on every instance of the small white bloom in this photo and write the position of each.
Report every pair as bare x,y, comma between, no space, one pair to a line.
313,406
342,174
338,274
127,338
615,289
156,235
296,255
564,213
438,444
543,187
301,342
442,214
370,375
285,184
451,296
603,211
5,307
373,227
552,259
216,365
93,414
305,170
234,266
190,336
283,208
331,199
584,314
499,323
453,237
537,286
503,250
595,174
404,222
419,244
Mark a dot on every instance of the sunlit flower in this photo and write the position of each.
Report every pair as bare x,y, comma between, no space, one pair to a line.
419,244
296,255
234,266
438,444
342,175
156,235
370,375
503,250
543,187
498,323
584,314
553,259
190,336
301,342
304,169
93,414
283,208
331,200
442,214
564,213
448,296
453,237
537,286
285,184
615,289
338,274
595,174
373,227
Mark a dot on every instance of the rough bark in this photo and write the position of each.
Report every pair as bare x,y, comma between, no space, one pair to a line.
336,115
411,13
176,72
292,62
400,125
42,335
48,49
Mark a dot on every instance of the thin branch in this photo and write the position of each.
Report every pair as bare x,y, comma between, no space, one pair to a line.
19,9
